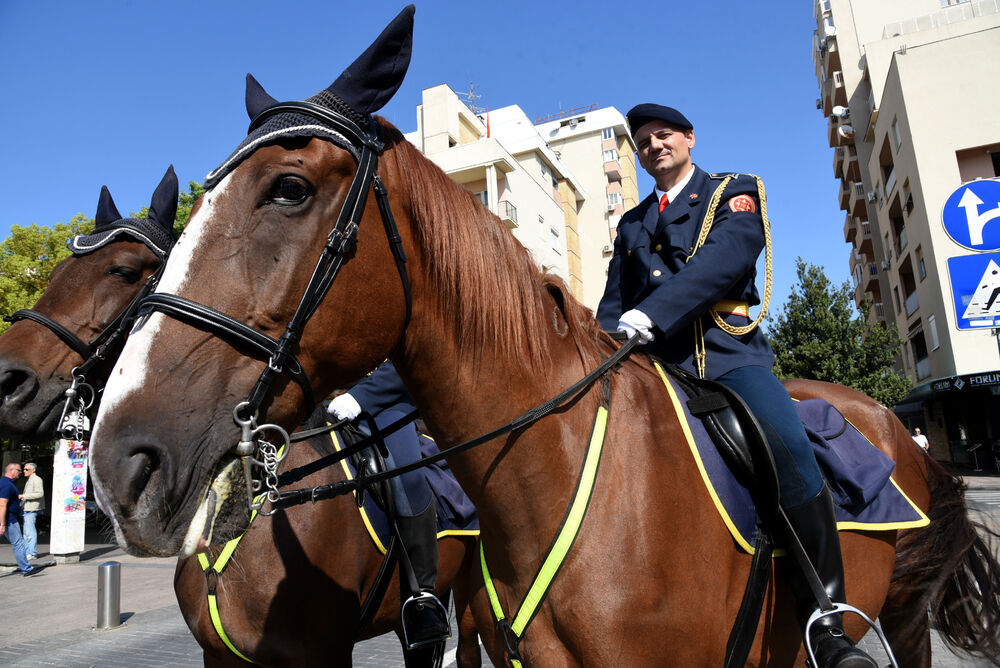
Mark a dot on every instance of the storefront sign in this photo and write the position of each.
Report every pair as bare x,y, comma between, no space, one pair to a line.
971,381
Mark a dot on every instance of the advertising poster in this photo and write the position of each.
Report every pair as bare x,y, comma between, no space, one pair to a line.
69,497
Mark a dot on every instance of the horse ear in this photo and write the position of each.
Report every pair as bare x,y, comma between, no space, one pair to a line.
163,206
107,212
257,98
371,80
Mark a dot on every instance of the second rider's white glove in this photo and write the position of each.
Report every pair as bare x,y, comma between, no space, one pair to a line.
636,322
344,407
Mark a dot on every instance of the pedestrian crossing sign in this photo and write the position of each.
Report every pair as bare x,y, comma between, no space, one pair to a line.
975,287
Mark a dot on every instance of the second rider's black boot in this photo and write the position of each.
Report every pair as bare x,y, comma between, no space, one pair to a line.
425,619
815,524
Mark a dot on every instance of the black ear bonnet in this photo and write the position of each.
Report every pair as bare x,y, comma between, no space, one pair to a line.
362,89
156,232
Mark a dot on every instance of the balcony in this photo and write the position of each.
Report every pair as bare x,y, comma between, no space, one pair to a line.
890,182
834,93
878,310
851,169
856,205
865,239
613,170
850,229
872,117
869,280
508,214
844,195
911,303
838,161
831,55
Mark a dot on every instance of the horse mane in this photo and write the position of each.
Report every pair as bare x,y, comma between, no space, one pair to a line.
481,273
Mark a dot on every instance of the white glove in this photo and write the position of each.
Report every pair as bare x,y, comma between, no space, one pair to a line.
636,322
344,407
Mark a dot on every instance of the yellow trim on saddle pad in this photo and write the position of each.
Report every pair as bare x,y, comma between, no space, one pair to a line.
364,515
727,520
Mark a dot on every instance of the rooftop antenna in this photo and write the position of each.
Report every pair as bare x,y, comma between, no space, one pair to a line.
470,98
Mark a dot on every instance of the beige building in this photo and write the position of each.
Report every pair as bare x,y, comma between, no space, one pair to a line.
560,186
909,88
597,147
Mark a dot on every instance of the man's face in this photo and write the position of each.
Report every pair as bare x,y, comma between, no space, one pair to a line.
28,471
14,472
917,431
664,150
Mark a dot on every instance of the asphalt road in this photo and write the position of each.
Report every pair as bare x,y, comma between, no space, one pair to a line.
49,619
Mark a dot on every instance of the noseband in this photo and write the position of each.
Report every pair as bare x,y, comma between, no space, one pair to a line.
340,244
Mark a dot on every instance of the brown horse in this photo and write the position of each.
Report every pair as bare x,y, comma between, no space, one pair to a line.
480,336
291,593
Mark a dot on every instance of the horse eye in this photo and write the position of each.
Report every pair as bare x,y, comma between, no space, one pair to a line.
128,274
290,191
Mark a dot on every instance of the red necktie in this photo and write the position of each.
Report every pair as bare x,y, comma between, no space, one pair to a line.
664,201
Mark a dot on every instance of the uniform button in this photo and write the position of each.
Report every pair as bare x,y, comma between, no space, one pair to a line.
658,248
628,252
657,272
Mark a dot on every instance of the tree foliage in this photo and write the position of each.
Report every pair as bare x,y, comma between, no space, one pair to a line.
817,334
29,254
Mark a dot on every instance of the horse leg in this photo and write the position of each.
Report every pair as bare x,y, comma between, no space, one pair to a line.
908,632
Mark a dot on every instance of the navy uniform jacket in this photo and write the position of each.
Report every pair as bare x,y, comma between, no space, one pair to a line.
648,272
382,390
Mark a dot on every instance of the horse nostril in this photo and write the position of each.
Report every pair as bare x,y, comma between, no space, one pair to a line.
138,470
16,384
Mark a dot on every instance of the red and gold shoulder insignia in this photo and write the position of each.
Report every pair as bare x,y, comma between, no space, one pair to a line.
742,203
693,195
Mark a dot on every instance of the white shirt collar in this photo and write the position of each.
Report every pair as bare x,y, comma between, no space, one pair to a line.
676,190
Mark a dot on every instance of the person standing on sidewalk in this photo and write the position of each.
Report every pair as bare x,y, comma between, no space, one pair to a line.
10,515
921,440
33,503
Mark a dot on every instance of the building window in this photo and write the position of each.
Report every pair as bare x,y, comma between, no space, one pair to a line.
921,268
541,225
896,139
483,197
895,293
608,133
932,328
614,199
611,155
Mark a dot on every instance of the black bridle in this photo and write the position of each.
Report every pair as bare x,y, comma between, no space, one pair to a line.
340,245
94,352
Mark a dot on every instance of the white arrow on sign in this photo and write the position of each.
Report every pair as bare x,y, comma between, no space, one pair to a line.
977,221
985,303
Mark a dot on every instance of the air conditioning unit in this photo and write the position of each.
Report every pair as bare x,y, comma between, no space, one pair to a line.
885,265
872,196
611,206
607,248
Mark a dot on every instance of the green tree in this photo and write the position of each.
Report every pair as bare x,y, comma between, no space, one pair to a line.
28,256
817,334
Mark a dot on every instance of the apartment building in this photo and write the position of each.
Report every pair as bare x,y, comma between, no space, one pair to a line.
909,91
598,148
560,186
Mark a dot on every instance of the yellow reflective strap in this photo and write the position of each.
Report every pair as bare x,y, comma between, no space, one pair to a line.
490,589
563,542
213,608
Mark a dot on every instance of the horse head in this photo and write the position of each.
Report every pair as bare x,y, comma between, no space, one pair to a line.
79,311
163,459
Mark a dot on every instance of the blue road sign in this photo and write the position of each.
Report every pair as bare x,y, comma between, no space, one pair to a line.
975,287
971,215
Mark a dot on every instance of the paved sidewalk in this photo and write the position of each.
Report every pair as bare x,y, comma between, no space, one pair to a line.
49,618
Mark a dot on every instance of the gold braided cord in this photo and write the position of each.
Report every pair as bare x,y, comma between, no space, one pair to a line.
706,227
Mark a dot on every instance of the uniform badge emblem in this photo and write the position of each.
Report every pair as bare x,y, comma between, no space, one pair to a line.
742,203
693,195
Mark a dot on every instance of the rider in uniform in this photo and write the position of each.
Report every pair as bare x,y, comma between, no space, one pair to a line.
660,290
383,396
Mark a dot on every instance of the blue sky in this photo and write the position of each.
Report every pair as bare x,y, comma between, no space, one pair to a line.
109,92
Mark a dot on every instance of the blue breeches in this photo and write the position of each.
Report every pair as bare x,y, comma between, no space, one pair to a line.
799,478
411,489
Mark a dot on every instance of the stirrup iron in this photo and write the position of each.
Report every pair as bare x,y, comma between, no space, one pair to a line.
840,608
409,611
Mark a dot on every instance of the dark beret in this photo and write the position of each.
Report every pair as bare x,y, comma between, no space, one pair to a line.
643,113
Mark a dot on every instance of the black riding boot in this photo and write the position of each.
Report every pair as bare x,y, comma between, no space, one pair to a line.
425,619
815,524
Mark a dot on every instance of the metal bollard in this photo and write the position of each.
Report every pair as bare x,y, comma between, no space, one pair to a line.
109,590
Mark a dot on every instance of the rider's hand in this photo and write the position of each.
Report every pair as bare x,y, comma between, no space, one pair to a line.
636,322
344,407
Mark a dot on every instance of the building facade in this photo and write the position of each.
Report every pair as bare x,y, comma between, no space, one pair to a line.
560,186
908,88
